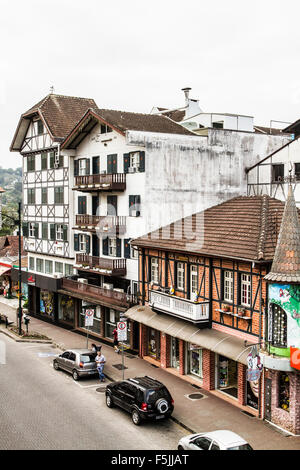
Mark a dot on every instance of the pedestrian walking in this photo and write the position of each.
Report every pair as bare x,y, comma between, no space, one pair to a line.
100,360
116,342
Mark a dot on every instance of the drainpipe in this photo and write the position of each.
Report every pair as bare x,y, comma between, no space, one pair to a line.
143,276
210,290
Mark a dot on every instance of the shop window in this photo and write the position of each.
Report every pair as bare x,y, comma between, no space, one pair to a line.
284,391
228,376
228,286
111,319
175,360
46,303
246,290
154,270
180,276
278,319
154,343
66,308
195,360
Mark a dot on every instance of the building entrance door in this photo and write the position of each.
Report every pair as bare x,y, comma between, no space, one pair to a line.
175,353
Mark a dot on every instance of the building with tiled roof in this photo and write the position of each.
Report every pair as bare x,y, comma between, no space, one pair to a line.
207,313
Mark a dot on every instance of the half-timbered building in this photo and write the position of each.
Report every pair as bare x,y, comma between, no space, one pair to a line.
204,296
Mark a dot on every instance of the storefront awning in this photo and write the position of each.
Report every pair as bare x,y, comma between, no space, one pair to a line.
4,270
214,340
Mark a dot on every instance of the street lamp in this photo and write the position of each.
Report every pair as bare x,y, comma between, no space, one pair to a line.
18,222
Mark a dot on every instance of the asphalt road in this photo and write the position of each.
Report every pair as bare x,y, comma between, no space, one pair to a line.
41,408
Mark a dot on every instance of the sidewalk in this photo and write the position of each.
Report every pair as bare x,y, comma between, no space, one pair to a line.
196,415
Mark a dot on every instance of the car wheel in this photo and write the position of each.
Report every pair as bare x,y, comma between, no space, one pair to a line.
75,375
162,405
55,365
136,417
180,448
109,401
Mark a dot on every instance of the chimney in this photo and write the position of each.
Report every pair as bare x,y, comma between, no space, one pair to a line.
186,94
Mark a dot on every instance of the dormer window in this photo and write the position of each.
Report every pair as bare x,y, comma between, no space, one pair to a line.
104,129
218,125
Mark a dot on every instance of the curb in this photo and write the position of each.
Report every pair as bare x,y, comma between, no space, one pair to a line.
18,340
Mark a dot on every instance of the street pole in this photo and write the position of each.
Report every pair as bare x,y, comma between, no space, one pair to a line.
20,272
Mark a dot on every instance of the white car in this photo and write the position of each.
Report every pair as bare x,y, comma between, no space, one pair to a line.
215,440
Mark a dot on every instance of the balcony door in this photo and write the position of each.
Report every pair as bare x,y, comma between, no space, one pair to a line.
112,163
193,282
95,245
112,205
81,204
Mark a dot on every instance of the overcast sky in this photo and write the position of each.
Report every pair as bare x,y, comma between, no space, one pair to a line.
237,56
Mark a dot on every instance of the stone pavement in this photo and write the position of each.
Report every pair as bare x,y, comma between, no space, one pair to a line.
207,413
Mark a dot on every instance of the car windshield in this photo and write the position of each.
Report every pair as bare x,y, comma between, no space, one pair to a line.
154,395
87,358
241,447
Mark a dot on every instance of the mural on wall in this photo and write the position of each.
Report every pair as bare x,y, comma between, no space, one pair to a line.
287,296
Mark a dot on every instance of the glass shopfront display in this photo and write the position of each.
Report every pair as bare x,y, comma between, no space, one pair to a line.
112,317
154,343
46,303
175,353
227,376
195,360
66,308
95,328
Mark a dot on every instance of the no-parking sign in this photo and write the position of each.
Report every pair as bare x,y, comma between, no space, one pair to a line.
89,317
122,330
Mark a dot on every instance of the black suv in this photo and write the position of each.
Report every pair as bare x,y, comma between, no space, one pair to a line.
142,397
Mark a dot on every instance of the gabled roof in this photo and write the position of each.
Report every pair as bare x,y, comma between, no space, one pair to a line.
122,121
58,112
286,262
244,228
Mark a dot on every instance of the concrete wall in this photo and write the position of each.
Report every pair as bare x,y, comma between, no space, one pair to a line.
260,177
185,174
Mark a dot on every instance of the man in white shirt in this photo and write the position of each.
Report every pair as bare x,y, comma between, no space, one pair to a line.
100,360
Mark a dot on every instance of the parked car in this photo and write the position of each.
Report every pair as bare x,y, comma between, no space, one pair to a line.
78,362
143,397
216,440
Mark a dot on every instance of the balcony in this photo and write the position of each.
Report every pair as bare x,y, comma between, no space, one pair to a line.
106,266
195,312
102,182
109,225
99,294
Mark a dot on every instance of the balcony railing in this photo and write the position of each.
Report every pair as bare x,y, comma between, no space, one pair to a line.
109,267
102,182
196,312
109,224
99,293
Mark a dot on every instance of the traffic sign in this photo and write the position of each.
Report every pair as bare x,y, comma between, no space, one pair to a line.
122,330
89,317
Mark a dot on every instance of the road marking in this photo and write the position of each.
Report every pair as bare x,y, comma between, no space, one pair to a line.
47,354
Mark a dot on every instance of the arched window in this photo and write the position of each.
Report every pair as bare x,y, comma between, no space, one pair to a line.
279,326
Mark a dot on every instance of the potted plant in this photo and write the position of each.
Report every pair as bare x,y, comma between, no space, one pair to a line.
226,308
241,312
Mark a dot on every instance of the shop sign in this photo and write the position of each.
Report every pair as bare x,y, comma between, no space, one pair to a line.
31,281
295,358
89,317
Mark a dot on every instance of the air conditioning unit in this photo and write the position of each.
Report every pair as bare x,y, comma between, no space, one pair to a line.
135,213
82,280
119,290
58,276
107,286
103,172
